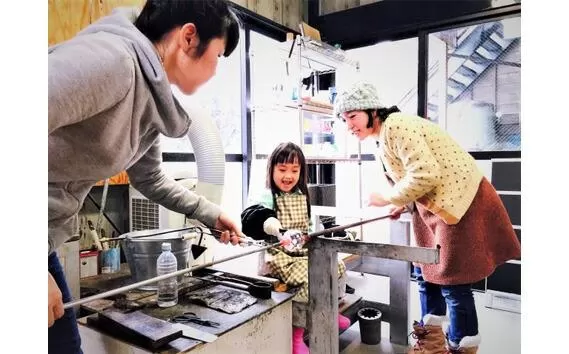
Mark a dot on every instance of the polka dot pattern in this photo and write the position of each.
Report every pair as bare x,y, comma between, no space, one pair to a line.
424,161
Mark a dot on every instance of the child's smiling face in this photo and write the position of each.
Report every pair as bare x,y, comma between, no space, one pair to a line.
286,175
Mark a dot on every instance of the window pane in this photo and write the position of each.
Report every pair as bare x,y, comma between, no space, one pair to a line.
231,197
231,200
474,84
221,97
274,93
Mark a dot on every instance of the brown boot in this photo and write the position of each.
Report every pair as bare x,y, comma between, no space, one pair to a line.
430,336
467,345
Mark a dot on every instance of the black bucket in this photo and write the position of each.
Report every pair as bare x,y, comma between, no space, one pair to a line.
370,325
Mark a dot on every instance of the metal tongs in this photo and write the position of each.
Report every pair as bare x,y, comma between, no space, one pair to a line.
243,240
249,241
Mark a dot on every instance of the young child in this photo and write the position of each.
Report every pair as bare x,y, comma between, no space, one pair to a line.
285,207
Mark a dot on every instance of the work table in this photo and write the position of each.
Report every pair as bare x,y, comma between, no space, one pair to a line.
247,331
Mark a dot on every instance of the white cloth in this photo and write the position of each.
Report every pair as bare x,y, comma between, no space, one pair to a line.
272,226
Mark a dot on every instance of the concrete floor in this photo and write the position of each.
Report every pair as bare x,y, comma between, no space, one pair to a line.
500,330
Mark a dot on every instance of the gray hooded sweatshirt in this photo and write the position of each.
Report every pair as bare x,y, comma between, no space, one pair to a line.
109,99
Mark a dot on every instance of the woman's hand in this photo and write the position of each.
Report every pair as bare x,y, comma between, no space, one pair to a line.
395,212
376,199
54,301
230,231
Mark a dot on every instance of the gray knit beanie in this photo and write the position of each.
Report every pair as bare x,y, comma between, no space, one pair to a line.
358,97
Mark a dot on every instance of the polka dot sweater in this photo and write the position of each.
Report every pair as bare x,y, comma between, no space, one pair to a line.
427,166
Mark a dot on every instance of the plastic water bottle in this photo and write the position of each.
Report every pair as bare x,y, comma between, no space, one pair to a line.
168,288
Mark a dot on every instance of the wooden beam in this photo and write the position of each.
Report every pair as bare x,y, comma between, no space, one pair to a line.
103,8
292,13
269,9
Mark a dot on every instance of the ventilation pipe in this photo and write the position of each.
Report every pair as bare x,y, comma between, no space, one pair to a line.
210,157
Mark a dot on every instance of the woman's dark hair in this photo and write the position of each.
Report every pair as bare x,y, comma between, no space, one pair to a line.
288,153
213,19
382,114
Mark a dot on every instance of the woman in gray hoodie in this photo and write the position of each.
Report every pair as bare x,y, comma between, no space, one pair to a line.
109,100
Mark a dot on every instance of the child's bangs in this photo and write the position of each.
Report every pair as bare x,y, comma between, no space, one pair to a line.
288,156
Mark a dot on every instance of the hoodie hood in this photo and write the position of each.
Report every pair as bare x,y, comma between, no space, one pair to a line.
175,121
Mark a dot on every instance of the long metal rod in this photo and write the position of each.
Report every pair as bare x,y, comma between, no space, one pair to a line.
213,232
123,236
161,277
347,226
299,93
191,269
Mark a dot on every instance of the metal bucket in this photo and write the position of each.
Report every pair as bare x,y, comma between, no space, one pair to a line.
142,253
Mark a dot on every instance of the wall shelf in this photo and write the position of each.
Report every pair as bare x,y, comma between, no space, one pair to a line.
317,55
329,160
291,106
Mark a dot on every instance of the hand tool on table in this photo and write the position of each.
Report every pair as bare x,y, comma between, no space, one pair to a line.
146,330
191,317
209,264
258,289
123,303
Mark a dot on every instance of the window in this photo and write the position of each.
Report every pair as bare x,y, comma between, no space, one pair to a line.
274,111
474,84
275,80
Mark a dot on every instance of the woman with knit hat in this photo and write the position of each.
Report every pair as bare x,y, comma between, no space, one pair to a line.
454,206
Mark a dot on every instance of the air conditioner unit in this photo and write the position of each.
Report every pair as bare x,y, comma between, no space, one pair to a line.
145,214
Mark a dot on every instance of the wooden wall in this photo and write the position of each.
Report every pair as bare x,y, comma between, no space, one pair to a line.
67,17
329,6
285,12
